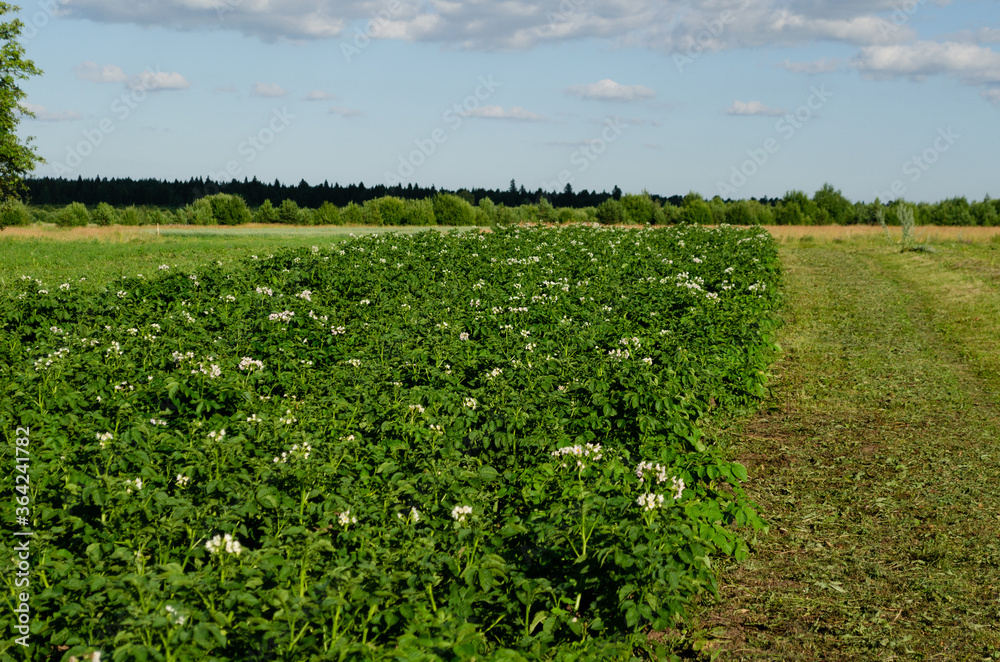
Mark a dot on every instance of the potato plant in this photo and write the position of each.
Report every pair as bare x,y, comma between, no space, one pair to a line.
462,446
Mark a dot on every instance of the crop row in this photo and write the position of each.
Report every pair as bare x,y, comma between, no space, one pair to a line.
399,447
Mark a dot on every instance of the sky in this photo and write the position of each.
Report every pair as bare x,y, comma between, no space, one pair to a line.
738,98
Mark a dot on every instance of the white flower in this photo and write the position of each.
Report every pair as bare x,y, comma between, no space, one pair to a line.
364,302
264,290
337,330
157,421
460,512
134,483
284,316
305,295
164,267
247,363
463,336
104,437
175,616
217,436
226,542
183,480
346,519
650,501
253,419
470,403
121,294
417,408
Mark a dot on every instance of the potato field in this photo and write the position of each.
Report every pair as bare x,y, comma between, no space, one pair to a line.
464,446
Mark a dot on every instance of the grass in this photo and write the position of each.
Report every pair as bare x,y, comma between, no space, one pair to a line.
101,254
876,461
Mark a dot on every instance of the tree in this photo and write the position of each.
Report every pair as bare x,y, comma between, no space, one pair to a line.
16,159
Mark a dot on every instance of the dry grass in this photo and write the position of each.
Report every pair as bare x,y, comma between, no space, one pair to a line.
113,234
924,234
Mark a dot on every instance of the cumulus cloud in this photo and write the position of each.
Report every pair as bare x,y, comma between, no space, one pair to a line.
345,112
752,108
823,66
608,90
271,90
516,113
45,115
969,63
319,95
91,71
154,81
668,25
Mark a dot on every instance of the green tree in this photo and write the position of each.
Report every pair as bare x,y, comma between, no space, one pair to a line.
266,213
453,211
839,209
612,212
16,158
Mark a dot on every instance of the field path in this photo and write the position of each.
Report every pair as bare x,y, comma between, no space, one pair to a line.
876,460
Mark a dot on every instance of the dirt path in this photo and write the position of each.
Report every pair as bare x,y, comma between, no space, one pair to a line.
876,461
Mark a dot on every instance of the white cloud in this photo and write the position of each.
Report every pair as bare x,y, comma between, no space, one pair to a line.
608,90
516,113
267,90
345,112
668,25
969,63
319,95
980,36
752,108
153,81
109,73
48,116
823,66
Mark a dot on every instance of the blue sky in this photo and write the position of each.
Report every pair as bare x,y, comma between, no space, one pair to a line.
744,98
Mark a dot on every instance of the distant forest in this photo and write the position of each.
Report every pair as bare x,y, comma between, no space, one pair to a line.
156,193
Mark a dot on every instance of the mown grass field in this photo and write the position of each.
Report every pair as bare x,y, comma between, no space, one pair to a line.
875,459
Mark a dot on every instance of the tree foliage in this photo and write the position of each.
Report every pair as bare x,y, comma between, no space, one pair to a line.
17,158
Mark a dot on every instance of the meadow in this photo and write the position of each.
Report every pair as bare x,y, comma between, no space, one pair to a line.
439,445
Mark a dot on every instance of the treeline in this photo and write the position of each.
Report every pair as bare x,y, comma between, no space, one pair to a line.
118,192
827,206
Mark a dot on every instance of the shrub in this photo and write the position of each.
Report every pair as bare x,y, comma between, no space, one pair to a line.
391,209
14,213
198,212
697,212
641,209
612,212
353,214
419,212
371,214
452,210
74,214
132,215
546,212
229,209
328,214
105,214
266,213
288,212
